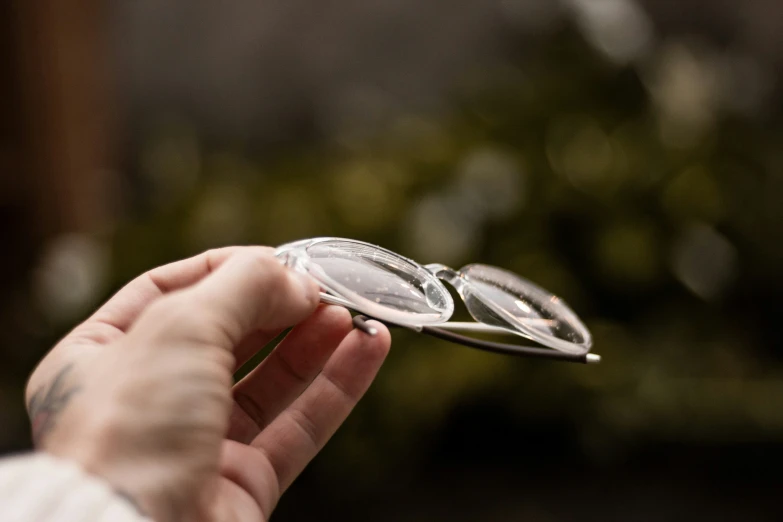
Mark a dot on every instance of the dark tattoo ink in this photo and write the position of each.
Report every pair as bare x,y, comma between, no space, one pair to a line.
47,404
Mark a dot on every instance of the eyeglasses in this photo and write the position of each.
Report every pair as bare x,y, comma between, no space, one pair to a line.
379,284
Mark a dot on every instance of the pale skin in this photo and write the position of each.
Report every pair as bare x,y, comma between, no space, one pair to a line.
141,394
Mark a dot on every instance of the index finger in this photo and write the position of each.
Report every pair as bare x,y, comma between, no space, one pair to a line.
125,306
117,315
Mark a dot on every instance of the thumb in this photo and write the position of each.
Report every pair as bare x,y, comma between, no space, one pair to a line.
250,291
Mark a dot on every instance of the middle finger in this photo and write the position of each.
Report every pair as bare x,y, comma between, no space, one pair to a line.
280,378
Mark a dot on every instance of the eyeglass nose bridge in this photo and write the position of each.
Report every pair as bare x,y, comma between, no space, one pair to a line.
447,274
442,271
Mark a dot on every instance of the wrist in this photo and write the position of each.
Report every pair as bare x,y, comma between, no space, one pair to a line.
98,449
132,483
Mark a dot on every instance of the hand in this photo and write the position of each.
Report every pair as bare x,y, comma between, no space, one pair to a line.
141,393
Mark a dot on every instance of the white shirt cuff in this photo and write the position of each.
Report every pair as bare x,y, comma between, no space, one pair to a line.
38,487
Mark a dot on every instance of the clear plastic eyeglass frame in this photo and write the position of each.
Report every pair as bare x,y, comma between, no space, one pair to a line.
379,284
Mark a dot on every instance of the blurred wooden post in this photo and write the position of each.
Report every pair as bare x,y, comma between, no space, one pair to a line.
63,58
55,154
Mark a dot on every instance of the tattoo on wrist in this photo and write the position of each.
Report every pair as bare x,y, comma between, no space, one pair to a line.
47,403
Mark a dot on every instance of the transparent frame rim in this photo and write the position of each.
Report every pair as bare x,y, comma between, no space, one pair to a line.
550,341
357,299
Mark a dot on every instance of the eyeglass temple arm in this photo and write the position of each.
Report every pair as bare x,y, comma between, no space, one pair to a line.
453,277
468,326
359,322
442,332
451,325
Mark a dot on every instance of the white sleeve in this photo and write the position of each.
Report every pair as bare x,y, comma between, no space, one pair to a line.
37,487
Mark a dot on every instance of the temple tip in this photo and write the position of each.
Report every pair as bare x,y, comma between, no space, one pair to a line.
359,323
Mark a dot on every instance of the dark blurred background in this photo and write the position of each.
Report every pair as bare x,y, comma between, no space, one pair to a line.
624,154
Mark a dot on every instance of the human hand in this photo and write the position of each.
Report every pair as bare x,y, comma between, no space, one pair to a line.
141,393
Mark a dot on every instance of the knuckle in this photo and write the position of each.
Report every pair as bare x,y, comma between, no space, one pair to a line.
271,280
226,361
177,314
269,265
252,408
224,380
212,255
298,376
174,310
338,316
343,389
265,271
307,426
